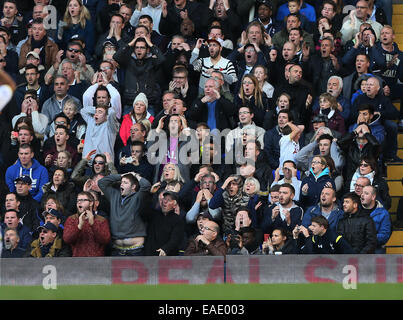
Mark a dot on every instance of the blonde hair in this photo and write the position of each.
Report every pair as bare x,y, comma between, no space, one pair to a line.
84,14
177,175
254,181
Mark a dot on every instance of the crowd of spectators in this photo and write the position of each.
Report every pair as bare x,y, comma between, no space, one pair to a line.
204,127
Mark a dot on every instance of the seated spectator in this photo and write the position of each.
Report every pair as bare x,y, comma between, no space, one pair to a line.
62,189
313,184
327,207
9,56
356,226
11,220
207,243
280,242
77,126
27,165
86,232
335,88
380,216
11,241
284,214
49,244
323,240
368,168
246,243
328,106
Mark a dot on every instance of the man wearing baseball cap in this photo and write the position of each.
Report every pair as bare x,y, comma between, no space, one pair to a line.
49,244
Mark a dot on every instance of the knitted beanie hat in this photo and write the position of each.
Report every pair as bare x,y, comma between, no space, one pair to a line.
141,97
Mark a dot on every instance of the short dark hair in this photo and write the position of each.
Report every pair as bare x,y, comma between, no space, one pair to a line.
60,126
31,66
289,186
292,162
133,180
354,197
11,210
325,136
138,143
26,146
146,16
368,107
275,188
322,221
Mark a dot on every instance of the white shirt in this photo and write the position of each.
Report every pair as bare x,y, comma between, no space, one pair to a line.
6,93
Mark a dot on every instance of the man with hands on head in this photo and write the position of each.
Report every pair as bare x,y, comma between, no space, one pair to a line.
86,232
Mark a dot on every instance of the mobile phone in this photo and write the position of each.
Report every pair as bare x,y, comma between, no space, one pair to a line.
15,134
129,160
266,236
82,141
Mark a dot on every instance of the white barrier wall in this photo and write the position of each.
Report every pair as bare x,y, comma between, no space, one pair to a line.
203,270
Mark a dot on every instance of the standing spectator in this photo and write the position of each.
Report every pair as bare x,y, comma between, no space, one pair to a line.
290,176
140,70
86,232
27,165
284,214
380,216
39,42
77,21
357,227
166,229
128,205
102,128
180,11
153,9
313,184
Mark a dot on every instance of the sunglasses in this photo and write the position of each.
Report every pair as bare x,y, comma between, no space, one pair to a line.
99,162
2,60
364,165
73,50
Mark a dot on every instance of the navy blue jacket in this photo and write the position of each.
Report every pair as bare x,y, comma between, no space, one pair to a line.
315,186
23,233
329,243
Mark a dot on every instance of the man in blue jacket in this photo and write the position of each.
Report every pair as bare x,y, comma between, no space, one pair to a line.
379,214
28,166
327,207
11,220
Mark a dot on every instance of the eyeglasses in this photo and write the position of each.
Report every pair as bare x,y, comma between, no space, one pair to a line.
207,228
169,168
364,165
82,200
99,162
105,68
316,162
73,50
60,122
2,60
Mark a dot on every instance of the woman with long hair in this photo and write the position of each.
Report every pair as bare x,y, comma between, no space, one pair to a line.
252,96
77,22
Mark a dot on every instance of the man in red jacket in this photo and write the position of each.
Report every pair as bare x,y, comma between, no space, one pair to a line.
86,232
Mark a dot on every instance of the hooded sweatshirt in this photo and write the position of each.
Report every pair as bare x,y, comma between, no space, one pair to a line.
37,173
